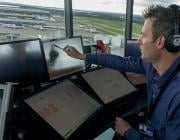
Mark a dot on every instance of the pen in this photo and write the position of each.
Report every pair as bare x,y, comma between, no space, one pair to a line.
57,46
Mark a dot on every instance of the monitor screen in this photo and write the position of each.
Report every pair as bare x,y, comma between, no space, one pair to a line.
5,98
65,107
108,84
22,62
132,48
59,63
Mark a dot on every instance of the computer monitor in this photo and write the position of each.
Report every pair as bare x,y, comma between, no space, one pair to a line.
108,84
64,107
23,62
58,62
132,48
6,95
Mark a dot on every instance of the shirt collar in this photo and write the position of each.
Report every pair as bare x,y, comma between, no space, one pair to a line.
167,74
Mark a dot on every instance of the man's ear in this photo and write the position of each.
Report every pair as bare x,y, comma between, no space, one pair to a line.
161,42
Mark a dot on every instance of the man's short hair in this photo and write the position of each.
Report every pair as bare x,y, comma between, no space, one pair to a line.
164,20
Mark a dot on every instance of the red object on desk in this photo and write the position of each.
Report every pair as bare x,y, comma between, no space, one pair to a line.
101,46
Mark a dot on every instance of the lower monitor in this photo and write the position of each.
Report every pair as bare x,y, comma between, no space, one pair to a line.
65,107
108,84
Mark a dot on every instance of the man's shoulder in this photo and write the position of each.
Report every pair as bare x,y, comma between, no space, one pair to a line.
177,79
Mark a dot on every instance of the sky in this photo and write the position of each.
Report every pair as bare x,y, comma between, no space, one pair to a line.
117,6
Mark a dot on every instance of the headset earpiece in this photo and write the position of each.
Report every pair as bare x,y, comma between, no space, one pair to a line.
173,42
173,39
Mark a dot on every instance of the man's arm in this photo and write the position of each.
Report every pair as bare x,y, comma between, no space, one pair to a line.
124,129
125,64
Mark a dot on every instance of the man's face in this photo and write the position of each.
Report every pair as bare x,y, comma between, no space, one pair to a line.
148,47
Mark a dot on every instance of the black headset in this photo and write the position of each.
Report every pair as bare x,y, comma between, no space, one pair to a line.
173,39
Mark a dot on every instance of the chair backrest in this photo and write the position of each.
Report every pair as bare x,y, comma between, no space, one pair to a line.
132,48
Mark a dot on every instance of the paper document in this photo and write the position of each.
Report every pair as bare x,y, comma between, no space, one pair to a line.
106,135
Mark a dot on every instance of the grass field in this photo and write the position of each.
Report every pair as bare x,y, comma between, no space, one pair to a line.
3,34
107,26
